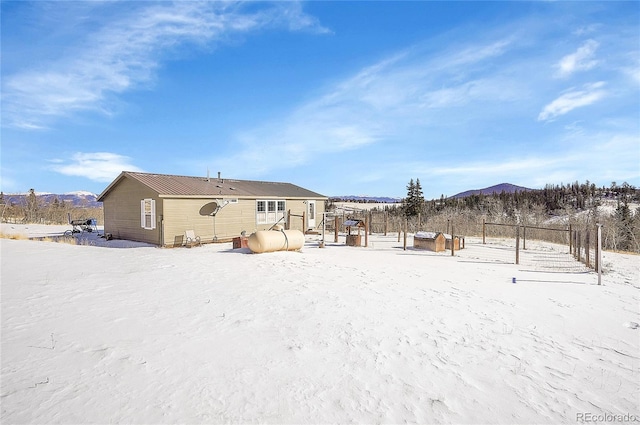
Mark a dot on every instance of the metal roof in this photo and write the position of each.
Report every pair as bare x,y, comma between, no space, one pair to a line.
167,185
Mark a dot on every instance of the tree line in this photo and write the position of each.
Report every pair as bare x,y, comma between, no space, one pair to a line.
614,207
34,209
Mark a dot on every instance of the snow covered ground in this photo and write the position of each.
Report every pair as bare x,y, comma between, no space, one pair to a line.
93,334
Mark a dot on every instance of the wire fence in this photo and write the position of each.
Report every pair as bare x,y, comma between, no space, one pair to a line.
567,248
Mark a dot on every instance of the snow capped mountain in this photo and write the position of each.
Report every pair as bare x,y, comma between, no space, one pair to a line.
77,198
82,193
364,198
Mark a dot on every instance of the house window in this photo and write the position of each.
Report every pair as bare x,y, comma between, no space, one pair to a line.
148,214
281,208
261,208
269,212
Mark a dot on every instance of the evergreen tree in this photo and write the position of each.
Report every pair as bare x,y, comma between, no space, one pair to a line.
414,202
32,206
624,226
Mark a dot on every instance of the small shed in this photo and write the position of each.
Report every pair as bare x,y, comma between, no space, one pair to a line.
354,240
456,242
431,241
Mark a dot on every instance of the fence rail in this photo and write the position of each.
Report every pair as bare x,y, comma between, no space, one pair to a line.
584,243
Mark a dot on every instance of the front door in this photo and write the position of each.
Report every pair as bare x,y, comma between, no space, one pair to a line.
311,213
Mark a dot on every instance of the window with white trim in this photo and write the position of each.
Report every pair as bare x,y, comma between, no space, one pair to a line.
270,211
148,214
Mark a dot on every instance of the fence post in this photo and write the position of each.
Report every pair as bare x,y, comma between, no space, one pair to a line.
518,244
287,225
524,237
484,232
599,254
586,248
335,229
453,240
570,239
386,222
366,231
406,223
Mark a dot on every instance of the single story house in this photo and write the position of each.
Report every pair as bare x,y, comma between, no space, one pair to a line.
159,208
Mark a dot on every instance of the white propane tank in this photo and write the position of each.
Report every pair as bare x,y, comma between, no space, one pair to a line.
271,241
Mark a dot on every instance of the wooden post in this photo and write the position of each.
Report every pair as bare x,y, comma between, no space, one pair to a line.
399,228
419,222
304,222
524,237
596,251
599,254
484,231
370,222
386,222
517,244
453,240
406,223
586,248
287,225
335,229
366,232
570,239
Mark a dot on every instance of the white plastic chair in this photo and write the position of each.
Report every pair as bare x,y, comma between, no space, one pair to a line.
191,238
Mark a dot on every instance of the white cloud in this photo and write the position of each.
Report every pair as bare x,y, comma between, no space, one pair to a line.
587,29
503,167
96,166
125,52
387,98
581,60
572,100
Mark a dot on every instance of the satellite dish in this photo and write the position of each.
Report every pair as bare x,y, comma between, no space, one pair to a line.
209,209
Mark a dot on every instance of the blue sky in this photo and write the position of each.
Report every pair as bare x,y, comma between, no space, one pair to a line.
338,97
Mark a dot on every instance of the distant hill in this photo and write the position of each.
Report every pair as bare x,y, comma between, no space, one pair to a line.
376,199
497,189
76,199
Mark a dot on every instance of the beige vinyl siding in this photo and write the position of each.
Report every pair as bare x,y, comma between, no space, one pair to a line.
180,214
297,208
122,212
184,214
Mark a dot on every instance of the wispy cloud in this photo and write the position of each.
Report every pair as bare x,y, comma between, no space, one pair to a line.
125,52
96,166
573,99
581,60
503,167
388,99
